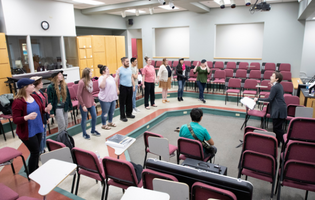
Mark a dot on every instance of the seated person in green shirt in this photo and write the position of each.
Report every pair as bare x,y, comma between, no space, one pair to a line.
201,132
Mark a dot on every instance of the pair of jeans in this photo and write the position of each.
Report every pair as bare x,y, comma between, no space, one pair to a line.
125,99
84,117
181,85
149,92
62,119
33,144
134,96
201,87
43,141
108,109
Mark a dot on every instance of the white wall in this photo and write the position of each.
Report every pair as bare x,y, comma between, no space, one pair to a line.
132,33
283,33
308,52
172,42
24,17
239,40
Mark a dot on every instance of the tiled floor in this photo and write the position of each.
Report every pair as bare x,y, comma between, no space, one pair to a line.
88,188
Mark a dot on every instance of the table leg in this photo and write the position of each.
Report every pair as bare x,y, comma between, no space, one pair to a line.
118,157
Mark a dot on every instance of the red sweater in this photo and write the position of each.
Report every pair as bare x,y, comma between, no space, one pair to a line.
84,97
19,110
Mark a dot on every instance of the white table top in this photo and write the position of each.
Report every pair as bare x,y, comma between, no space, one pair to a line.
144,194
261,86
51,174
119,151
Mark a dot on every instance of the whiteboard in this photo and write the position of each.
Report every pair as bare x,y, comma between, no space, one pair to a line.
239,40
172,42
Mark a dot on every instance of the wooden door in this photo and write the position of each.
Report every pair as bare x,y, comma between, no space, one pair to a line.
89,63
120,50
81,42
110,56
139,53
82,63
98,43
82,54
89,53
88,41
98,58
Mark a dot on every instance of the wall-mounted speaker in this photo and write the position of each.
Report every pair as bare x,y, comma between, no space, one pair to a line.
130,21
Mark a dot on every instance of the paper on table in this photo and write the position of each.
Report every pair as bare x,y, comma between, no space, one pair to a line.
248,102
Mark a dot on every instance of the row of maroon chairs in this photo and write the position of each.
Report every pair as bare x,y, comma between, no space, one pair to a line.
8,194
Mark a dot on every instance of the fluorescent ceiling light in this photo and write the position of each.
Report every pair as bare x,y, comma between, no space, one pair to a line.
167,7
134,11
226,2
91,2
313,17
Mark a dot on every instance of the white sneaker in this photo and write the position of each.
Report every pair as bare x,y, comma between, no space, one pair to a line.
137,109
134,112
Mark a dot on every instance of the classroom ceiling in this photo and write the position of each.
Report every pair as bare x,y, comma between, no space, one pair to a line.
115,7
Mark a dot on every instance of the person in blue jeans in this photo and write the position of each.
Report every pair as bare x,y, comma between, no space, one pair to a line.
86,102
182,76
203,71
134,69
108,95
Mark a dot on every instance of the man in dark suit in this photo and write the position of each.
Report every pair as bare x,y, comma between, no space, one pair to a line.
278,107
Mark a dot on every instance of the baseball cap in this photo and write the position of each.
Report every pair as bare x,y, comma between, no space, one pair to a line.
24,82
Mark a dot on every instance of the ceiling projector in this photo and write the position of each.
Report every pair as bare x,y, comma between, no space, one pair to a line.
263,6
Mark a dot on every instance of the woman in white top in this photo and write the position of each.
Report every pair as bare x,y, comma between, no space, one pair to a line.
165,79
107,96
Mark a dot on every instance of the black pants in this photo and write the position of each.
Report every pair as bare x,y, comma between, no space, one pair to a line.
149,91
125,99
33,144
278,129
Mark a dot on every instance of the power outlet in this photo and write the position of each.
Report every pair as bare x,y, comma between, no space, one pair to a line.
185,112
148,126
237,114
88,124
168,95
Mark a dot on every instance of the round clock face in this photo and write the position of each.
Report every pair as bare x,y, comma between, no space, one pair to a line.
45,25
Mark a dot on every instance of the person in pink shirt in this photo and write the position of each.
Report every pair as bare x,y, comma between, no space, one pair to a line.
86,102
149,79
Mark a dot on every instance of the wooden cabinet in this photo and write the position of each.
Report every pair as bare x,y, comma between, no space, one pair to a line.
82,54
81,42
97,72
120,50
89,54
98,43
82,63
4,89
88,41
89,63
5,69
110,49
99,58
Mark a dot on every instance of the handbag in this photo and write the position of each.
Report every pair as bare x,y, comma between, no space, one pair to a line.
204,143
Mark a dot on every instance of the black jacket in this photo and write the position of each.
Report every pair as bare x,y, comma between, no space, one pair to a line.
179,73
278,107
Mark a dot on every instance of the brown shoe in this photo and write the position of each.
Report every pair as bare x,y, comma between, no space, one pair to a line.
167,100
163,101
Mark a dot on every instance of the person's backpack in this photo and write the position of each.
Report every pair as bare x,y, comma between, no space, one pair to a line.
66,139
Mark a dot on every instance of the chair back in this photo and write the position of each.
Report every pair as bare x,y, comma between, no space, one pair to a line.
262,143
191,73
301,129
231,65
219,74
148,175
291,100
75,87
219,65
158,63
153,63
234,83
299,174
285,67
187,63
287,87
286,75
210,64
241,73
243,65
70,84
201,191
190,148
299,150
267,75
195,63
175,63
120,171
265,83
250,84
148,134
229,73
306,112
176,190
53,145
270,67
86,160
159,146
73,94
255,66
252,129
255,74
96,89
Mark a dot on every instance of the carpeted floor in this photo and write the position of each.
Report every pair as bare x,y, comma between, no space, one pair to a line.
226,133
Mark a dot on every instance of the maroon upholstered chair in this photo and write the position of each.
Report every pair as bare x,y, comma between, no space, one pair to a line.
119,173
175,63
298,167
229,73
287,87
219,78
148,175
219,65
192,77
188,148
270,67
75,87
8,117
256,113
255,74
53,145
255,66
264,91
210,64
194,64
7,154
231,65
250,87
187,63
234,86
241,73
201,191
7,193
259,157
88,165
153,63
147,134
285,67
70,84
74,101
96,89
27,198
286,76
243,65
252,129
267,75
158,63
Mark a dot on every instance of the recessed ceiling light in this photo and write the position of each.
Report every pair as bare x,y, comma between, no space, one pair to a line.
313,17
91,2
167,7
226,2
134,11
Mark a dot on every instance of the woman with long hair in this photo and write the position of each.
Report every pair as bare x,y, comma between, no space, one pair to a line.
38,83
86,102
182,76
164,77
149,79
59,97
28,115
108,95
